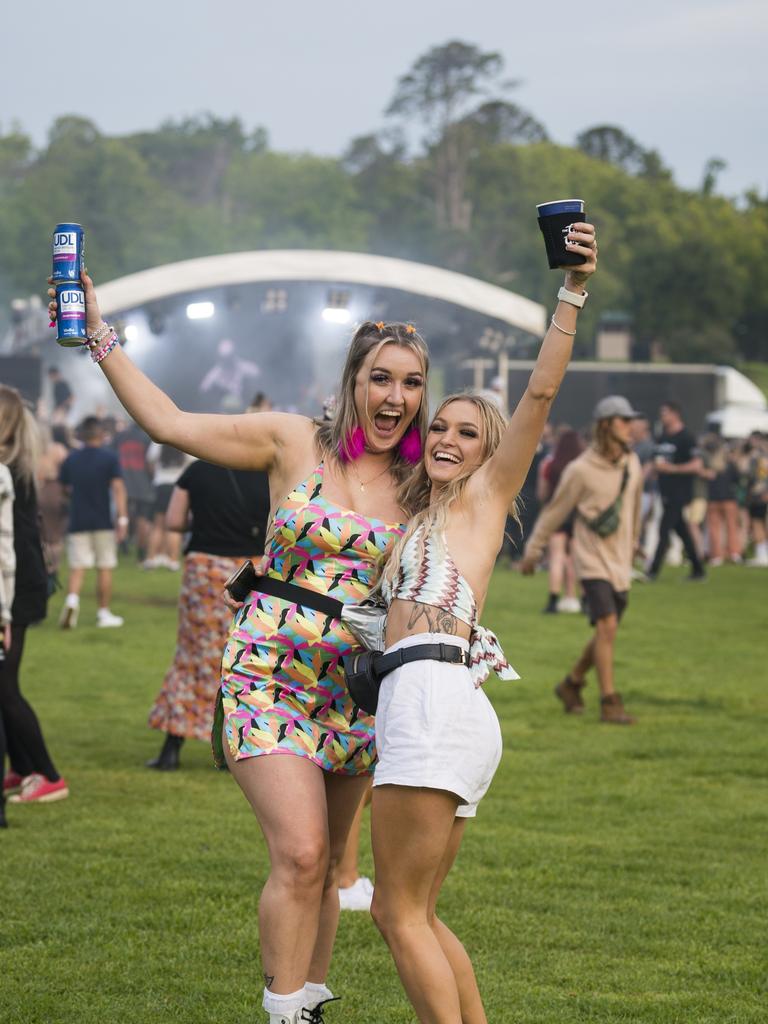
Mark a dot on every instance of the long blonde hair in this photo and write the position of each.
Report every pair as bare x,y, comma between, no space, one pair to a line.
20,444
332,434
415,493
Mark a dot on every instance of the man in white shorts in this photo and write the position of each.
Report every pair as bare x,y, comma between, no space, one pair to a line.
93,478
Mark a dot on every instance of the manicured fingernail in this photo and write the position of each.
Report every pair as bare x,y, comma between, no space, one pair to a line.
52,323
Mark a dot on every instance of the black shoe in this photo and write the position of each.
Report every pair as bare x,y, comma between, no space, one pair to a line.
163,764
168,760
315,1016
696,577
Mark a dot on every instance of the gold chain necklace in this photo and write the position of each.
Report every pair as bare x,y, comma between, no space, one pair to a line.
363,483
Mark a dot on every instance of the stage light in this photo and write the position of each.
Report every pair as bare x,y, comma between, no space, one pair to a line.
337,306
131,332
200,310
336,316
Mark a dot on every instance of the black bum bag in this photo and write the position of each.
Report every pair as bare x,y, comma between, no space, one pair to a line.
365,671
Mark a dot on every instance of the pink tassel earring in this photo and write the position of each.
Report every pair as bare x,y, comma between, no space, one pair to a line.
353,445
410,446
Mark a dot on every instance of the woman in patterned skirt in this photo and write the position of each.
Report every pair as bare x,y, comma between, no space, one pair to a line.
226,512
300,750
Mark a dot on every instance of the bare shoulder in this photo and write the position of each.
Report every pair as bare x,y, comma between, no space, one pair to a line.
296,449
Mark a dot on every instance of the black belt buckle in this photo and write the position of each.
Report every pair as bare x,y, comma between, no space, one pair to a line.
453,654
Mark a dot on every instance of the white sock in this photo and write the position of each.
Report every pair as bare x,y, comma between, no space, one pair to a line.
274,1002
316,994
72,601
761,549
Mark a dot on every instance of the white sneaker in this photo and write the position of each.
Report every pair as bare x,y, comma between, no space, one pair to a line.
714,563
106,620
357,896
148,563
572,605
70,612
757,563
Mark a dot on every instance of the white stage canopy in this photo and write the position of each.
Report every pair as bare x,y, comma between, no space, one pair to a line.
339,268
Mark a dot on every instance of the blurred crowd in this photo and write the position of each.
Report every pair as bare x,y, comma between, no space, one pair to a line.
723,497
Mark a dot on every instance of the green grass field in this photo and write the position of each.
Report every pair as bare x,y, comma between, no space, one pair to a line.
612,875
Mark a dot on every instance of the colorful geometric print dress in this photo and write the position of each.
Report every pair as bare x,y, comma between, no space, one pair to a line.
282,685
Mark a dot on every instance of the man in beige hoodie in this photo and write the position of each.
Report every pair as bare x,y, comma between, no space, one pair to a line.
604,486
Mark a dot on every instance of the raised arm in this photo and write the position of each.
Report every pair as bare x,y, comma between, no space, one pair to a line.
248,441
504,473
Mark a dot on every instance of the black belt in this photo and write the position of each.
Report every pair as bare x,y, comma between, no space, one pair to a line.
299,595
384,663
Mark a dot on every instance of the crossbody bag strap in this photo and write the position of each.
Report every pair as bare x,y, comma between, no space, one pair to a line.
591,523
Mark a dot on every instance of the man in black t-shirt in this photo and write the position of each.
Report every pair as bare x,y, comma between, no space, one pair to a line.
94,480
677,465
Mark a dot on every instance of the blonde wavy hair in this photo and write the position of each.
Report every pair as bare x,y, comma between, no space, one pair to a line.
20,442
369,337
415,494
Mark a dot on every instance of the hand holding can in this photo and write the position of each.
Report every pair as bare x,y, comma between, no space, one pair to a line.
91,314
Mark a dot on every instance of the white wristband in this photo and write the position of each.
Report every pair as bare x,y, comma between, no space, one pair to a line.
575,300
122,520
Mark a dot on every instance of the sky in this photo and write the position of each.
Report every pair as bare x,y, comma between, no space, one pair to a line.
686,77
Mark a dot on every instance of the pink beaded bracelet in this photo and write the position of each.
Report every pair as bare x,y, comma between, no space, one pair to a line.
104,351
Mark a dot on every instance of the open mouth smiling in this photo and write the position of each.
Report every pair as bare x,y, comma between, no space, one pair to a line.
387,421
448,457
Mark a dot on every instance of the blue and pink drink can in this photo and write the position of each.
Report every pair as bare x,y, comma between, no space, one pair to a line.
68,248
70,319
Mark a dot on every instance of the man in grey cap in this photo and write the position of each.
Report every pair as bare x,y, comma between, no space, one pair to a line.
604,486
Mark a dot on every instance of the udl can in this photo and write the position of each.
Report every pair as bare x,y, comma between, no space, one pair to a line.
68,248
70,319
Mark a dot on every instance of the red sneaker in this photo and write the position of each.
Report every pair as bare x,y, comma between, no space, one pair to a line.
36,789
12,783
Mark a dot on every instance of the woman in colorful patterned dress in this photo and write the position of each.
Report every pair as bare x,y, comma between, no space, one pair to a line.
299,749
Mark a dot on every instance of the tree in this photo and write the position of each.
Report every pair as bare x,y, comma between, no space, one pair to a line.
440,91
194,155
498,121
613,145
712,168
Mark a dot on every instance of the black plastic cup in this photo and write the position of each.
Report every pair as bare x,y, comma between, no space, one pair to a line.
555,220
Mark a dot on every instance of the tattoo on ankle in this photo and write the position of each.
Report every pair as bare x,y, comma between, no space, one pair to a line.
269,980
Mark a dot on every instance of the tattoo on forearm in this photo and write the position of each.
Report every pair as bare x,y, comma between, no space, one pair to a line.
436,620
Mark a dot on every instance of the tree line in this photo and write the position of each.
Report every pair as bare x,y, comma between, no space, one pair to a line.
451,177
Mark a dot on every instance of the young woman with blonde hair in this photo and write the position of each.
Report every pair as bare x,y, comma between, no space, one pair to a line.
288,725
438,738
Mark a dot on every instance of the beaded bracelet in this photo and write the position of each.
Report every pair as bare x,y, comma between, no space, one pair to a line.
102,331
104,351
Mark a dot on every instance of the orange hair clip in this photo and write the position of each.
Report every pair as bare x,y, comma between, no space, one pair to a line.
380,325
410,329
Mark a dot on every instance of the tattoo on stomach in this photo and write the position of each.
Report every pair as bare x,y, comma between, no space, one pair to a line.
432,620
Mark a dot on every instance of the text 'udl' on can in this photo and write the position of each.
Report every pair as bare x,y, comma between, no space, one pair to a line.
68,249
70,317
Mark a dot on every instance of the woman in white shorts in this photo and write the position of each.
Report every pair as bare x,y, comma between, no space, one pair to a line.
437,735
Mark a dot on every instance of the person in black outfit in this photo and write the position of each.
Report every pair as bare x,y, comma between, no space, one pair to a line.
227,512
33,778
677,463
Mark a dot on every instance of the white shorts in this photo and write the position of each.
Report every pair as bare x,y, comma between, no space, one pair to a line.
435,729
92,548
